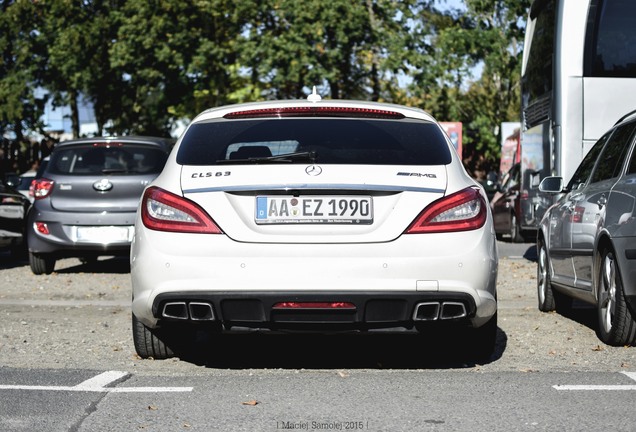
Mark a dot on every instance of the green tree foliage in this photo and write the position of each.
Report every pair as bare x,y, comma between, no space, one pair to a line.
21,55
486,37
145,64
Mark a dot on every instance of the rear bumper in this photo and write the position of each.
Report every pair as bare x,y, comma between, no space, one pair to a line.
274,311
62,239
383,281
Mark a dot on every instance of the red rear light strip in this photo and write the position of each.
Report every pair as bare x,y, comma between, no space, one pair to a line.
315,112
315,305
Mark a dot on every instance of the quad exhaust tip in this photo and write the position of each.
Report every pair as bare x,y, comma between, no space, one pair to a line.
433,311
193,311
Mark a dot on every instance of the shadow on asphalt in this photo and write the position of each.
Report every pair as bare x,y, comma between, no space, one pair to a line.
109,264
582,313
531,253
115,265
334,351
8,260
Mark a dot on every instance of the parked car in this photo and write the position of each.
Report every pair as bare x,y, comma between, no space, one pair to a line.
13,209
587,240
87,195
22,182
313,216
506,207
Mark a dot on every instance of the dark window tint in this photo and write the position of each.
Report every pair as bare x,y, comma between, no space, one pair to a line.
610,49
91,160
612,157
537,80
584,170
631,168
330,141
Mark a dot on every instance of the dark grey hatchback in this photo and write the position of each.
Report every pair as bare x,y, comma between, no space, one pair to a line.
87,197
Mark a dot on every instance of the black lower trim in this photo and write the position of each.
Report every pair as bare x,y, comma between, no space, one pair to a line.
372,309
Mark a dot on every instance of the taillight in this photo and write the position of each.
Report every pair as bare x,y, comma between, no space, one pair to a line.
40,188
164,211
462,211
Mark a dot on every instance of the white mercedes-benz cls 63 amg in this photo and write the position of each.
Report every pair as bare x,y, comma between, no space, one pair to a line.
313,215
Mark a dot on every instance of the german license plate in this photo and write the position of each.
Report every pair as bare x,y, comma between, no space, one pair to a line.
314,210
103,234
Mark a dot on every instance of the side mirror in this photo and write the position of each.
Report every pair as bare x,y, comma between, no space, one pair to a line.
552,185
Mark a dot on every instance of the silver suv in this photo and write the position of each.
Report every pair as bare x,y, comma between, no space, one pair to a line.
87,196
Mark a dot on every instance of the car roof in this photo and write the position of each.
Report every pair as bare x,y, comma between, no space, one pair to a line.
219,112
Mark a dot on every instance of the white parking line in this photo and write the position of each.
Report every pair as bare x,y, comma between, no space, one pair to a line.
98,384
632,375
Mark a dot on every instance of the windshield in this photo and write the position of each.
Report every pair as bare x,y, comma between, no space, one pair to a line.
315,140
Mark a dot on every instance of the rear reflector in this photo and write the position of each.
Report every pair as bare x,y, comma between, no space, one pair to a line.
42,228
314,305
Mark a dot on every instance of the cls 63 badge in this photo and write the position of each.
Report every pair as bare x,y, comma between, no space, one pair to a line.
211,174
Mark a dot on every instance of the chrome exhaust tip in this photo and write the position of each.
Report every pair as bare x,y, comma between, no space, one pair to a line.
426,311
175,310
453,310
201,311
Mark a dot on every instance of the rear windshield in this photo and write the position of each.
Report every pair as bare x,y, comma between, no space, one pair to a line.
326,141
90,160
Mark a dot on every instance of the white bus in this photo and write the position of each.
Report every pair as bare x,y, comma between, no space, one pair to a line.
578,78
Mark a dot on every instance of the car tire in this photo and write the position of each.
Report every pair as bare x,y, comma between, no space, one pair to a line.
616,325
515,231
150,343
545,292
41,263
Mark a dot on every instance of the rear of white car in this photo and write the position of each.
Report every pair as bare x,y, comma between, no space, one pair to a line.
316,216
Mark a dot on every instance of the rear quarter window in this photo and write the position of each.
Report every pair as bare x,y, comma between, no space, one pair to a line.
333,140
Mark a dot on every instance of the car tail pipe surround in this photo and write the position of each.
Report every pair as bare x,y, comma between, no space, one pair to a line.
193,311
439,310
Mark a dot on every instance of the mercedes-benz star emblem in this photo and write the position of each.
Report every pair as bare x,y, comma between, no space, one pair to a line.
313,170
103,185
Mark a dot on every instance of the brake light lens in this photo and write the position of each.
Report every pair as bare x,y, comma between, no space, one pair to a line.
165,211
462,211
40,188
314,305
313,111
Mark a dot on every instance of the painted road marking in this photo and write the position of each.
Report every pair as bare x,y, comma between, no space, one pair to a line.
632,375
99,384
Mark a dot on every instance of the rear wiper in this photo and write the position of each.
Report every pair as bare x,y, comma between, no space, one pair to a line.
309,156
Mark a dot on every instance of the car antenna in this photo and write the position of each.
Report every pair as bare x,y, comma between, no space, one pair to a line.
314,96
